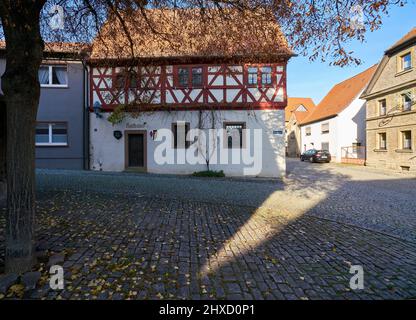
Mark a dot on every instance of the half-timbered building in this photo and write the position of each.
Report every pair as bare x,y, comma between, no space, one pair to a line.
207,74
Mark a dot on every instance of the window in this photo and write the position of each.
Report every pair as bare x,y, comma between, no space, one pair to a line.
51,134
183,77
407,140
53,76
382,141
266,75
382,107
308,131
407,101
120,81
190,77
252,75
234,134
406,62
355,146
325,128
196,77
325,146
180,131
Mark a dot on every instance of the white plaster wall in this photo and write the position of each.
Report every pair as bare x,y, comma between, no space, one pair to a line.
108,154
344,130
352,124
317,137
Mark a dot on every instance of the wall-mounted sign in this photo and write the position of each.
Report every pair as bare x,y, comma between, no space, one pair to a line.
277,132
153,134
135,125
117,134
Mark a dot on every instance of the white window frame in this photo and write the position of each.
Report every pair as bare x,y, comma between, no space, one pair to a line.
50,143
308,131
51,85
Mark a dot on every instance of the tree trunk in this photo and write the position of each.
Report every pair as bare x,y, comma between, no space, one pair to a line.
3,183
24,48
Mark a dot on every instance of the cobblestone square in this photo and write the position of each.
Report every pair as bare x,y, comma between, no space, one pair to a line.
126,236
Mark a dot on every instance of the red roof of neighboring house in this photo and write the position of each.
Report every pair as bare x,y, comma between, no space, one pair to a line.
59,48
294,103
408,37
340,96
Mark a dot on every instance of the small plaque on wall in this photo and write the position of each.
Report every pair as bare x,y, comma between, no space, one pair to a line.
277,132
117,134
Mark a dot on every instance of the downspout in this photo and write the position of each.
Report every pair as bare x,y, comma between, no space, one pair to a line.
86,114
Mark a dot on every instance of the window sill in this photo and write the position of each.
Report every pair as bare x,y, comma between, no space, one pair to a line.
398,74
61,86
380,150
51,144
404,150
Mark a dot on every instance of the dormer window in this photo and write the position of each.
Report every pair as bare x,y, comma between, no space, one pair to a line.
53,76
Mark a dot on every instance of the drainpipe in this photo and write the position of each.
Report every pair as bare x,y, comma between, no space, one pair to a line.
86,114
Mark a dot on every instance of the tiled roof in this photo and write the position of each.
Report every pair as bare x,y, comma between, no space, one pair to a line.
409,36
58,47
341,96
188,33
294,103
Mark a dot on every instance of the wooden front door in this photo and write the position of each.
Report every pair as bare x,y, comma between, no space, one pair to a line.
135,150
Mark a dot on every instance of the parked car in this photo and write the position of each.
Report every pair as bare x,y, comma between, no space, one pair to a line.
313,155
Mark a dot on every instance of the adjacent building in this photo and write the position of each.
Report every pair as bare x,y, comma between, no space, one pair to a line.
337,124
61,118
391,111
296,111
210,83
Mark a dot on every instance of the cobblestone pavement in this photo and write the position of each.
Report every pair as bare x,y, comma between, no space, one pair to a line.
153,237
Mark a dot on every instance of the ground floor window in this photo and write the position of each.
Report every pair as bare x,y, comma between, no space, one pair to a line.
180,131
51,134
325,146
382,141
407,139
234,134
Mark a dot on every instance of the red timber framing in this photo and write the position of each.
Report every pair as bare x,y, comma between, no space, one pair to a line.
156,88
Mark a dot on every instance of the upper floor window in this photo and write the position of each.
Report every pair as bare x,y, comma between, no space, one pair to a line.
252,75
190,76
308,131
266,75
196,77
382,107
325,128
51,134
183,77
53,76
407,101
406,61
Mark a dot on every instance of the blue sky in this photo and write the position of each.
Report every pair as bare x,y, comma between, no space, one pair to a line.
315,79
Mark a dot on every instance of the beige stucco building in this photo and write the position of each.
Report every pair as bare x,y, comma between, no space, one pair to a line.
391,110
296,111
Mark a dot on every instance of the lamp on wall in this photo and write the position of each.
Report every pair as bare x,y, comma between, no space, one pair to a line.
97,109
